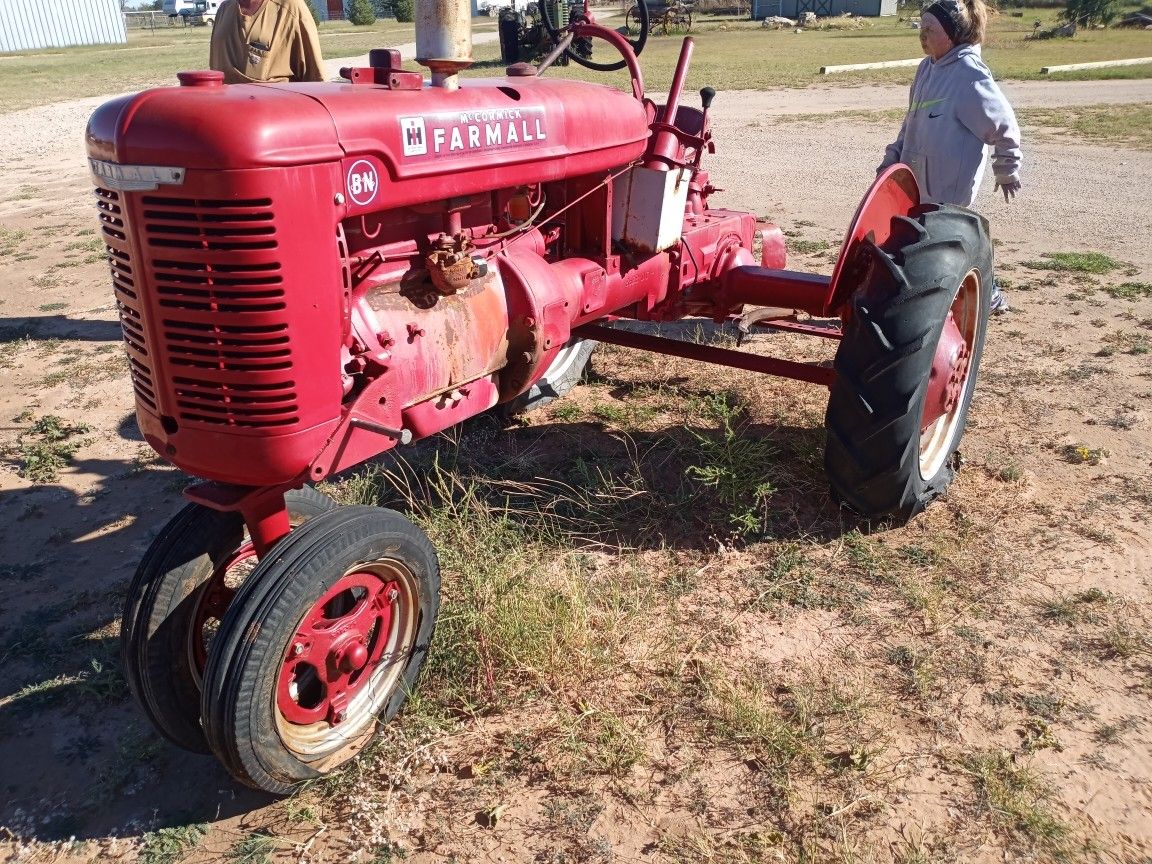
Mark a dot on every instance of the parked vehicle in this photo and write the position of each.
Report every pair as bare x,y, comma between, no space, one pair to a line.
176,7
202,12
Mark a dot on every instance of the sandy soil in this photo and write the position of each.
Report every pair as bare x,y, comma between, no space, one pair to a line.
1062,370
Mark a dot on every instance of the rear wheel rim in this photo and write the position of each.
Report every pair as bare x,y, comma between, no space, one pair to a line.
950,379
346,658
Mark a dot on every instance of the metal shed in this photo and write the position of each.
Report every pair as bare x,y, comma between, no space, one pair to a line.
823,8
31,24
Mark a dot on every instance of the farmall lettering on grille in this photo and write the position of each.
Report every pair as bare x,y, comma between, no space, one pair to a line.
308,275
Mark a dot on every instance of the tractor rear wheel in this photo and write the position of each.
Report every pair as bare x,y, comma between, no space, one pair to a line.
562,375
325,640
179,594
906,367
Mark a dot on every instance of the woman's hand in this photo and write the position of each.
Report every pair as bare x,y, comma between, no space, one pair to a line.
1009,188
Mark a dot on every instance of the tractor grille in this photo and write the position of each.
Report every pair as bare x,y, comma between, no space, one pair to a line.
127,299
215,299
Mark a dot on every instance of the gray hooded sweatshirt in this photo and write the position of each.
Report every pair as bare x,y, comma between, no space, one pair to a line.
954,109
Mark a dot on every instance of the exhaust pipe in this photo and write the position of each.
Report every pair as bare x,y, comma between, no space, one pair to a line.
444,39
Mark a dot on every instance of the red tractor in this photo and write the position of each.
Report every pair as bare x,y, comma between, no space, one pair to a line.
308,275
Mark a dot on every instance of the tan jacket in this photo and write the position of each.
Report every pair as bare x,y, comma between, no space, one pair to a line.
278,43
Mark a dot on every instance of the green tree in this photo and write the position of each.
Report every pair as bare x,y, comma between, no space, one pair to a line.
361,13
405,10
1085,13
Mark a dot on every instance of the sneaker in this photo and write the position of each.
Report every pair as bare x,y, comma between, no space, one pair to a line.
999,303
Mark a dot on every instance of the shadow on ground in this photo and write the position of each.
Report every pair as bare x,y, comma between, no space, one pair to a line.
81,760
58,327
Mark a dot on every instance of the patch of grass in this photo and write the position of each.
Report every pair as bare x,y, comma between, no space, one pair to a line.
53,307
610,412
1069,609
1130,125
153,59
1127,343
790,579
520,608
807,247
1123,641
916,664
745,716
1113,733
169,845
1016,799
47,447
11,241
1076,262
1129,290
566,413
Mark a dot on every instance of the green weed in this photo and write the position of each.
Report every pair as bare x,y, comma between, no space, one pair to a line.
566,413
734,467
1129,290
1080,454
1075,262
255,848
47,447
169,845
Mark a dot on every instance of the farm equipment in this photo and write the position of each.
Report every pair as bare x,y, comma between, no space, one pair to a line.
671,18
308,275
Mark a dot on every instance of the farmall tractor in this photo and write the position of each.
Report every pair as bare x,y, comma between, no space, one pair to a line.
308,275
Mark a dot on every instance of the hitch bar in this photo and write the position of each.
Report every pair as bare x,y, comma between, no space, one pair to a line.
809,372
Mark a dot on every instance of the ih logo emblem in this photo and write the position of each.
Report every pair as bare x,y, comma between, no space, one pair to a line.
413,135
363,181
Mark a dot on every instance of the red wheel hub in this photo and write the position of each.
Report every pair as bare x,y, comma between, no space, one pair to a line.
949,372
330,658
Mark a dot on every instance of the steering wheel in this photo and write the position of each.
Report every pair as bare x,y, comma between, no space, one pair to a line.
554,33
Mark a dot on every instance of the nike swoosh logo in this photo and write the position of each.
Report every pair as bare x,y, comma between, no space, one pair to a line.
933,116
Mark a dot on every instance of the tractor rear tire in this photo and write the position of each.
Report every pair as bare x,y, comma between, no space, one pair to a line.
892,438
165,612
561,376
322,643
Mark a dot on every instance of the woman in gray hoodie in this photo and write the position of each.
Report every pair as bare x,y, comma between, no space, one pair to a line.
954,110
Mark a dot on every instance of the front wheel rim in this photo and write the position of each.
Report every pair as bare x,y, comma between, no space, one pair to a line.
344,662
951,376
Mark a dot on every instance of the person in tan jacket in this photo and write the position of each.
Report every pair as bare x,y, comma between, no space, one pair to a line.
258,41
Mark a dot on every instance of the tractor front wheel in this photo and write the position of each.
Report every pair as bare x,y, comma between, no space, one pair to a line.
324,640
906,367
562,375
175,603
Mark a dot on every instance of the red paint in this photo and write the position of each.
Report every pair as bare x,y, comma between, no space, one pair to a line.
949,372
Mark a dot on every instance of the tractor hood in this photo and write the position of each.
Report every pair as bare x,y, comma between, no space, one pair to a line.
421,144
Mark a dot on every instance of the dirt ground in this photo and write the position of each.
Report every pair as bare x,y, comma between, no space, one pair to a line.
1053,503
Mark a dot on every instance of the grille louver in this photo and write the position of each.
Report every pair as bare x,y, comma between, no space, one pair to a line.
115,238
217,303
